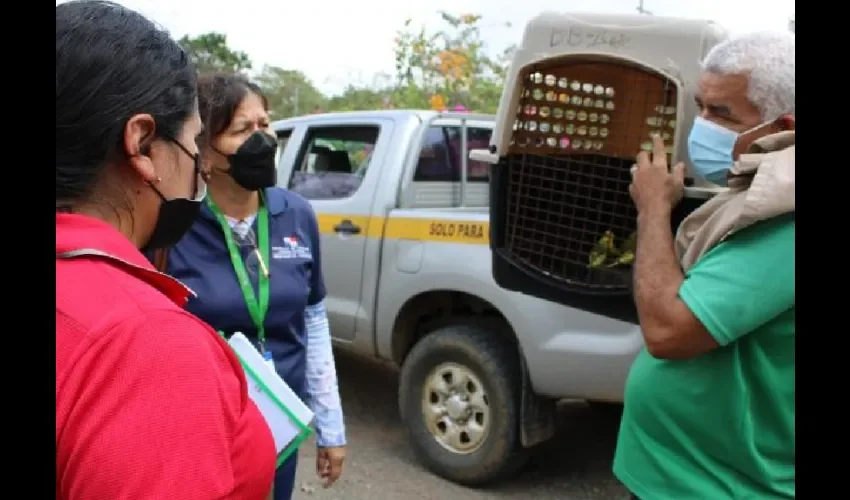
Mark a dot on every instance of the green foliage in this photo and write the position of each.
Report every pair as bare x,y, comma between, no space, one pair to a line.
448,67
357,98
433,70
290,92
211,54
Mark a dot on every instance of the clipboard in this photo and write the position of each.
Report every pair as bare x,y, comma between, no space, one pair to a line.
288,417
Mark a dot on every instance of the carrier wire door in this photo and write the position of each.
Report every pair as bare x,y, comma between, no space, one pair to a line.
565,179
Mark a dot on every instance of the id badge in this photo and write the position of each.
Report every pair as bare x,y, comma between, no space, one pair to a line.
267,356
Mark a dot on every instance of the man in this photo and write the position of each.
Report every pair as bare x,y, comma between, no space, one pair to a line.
709,403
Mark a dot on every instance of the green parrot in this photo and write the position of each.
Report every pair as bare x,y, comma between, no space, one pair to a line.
602,250
627,251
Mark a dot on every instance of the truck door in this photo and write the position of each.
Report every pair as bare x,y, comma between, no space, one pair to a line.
330,170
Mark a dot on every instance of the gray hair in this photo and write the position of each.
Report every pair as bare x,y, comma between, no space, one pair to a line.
768,60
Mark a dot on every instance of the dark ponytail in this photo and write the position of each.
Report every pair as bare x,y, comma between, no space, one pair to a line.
111,63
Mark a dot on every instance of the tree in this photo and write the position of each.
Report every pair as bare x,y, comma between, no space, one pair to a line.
437,70
448,67
211,54
289,92
358,98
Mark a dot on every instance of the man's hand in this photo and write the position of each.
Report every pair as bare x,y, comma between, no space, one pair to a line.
329,464
654,187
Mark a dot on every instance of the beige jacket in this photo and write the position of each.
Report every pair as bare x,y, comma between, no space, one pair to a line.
761,186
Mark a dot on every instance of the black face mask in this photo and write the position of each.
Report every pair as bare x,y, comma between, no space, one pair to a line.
252,166
176,216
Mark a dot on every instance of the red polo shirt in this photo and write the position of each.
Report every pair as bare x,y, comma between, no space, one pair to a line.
151,404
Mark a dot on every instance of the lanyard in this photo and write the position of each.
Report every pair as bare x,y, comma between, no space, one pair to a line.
256,308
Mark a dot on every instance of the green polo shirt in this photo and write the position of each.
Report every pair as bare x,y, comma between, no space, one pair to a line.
721,426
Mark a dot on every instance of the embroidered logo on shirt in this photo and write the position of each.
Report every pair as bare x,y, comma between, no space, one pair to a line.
291,249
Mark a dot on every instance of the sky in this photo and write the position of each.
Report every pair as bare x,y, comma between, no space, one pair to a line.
337,42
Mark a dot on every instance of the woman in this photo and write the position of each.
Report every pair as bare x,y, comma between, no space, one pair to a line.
150,401
253,258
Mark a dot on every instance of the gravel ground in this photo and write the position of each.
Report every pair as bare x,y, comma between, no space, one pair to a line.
575,465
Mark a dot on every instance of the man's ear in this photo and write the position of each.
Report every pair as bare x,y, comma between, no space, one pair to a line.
786,122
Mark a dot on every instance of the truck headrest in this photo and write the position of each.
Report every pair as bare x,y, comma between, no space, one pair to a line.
339,162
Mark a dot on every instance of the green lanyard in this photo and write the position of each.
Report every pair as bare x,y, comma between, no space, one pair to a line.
256,308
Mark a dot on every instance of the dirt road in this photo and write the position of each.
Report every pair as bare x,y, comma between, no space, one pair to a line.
576,465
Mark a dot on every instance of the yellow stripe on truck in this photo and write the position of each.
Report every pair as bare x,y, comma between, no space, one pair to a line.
471,232
439,230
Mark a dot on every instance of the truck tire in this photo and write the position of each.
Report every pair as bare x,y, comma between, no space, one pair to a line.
459,398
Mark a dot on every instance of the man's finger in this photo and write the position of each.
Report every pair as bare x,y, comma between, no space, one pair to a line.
679,172
659,151
643,159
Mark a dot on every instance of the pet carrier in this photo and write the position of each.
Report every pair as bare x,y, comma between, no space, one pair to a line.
585,93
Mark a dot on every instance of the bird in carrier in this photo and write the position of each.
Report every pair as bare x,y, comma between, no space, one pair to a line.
585,94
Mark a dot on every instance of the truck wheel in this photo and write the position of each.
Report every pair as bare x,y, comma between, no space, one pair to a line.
459,398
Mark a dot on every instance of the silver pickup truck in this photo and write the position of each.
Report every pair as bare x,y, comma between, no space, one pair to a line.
404,220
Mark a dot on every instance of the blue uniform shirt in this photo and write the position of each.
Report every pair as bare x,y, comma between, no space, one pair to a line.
201,261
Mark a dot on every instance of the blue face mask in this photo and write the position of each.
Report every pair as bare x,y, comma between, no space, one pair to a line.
710,149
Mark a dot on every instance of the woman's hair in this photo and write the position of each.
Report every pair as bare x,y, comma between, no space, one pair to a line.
111,63
219,95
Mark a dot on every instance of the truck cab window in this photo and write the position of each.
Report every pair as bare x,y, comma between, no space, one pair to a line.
333,162
440,159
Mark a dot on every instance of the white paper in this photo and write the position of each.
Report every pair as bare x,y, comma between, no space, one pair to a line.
283,428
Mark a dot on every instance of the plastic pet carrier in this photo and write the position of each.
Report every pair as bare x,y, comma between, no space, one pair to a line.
586,92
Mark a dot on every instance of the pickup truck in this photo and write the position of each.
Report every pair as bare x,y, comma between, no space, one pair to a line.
404,220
